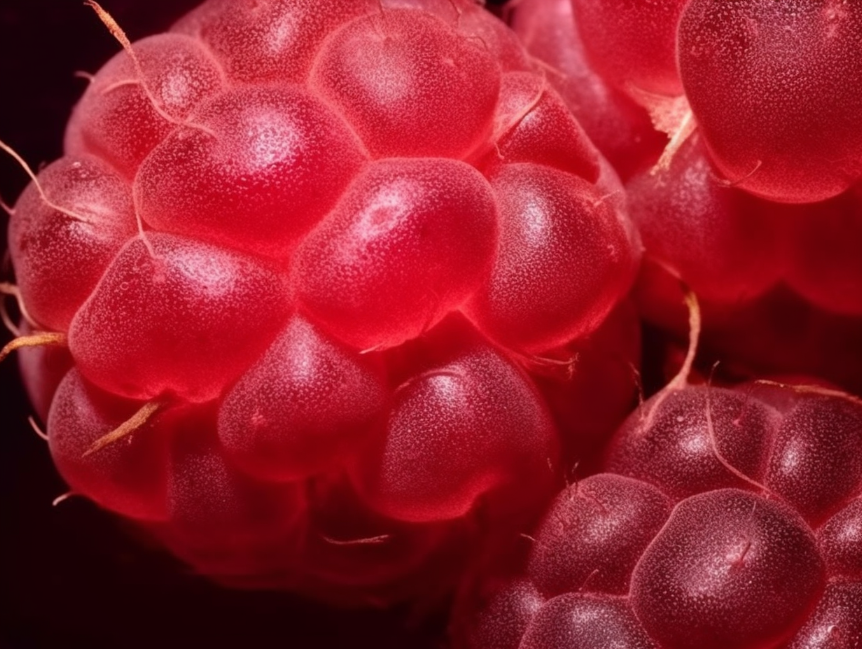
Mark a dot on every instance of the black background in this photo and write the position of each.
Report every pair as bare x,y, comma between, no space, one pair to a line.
69,575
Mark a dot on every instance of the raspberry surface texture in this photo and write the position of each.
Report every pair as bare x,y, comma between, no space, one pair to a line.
724,517
313,272
754,202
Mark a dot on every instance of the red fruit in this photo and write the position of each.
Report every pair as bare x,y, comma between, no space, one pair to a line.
597,533
841,540
349,551
722,242
221,521
620,129
60,254
130,477
773,86
321,245
770,277
266,42
591,386
119,339
211,504
121,117
777,91
632,43
409,84
836,621
506,614
729,569
466,426
42,369
257,170
773,108
561,231
575,621
534,125
731,520
694,440
302,406
410,241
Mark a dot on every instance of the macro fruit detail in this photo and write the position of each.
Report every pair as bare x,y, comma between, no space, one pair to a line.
304,263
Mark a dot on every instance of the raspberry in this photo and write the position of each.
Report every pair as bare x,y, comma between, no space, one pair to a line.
772,86
722,517
756,265
58,281
771,276
727,517
723,242
618,33
619,128
254,151
308,265
775,87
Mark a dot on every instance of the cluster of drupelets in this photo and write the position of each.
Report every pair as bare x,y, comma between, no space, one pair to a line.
336,301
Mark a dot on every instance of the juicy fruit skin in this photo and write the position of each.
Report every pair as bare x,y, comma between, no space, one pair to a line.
60,258
473,419
127,478
401,225
303,252
316,399
773,86
446,112
250,154
731,247
771,571
578,621
620,129
549,231
777,90
771,274
118,337
726,517
632,43
756,266
118,122
721,241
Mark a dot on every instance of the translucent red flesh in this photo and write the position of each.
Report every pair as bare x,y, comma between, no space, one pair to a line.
267,230
731,519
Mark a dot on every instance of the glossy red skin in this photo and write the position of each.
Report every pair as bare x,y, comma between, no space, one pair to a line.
724,243
633,42
770,277
776,88
620,129
231,180
772,86
728,518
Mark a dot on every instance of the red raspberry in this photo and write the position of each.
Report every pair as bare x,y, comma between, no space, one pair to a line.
620,129
770,276
729,518
773,85
756,266
302,259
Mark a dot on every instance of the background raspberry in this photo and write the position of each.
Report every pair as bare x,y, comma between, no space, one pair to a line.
765,282
730,518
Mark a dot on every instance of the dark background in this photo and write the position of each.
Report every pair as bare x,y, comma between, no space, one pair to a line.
69,575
